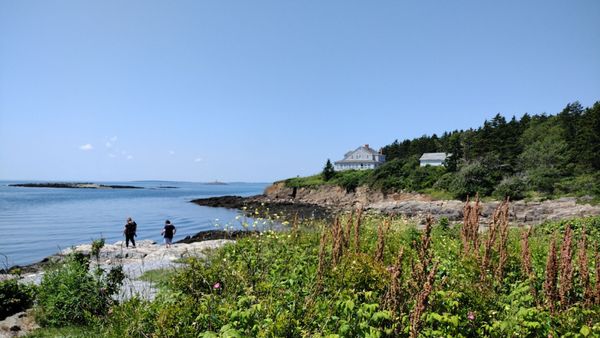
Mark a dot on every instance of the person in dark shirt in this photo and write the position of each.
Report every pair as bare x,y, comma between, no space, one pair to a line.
168,232
130,232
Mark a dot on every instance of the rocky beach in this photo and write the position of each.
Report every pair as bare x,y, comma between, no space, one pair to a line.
146,256
324,201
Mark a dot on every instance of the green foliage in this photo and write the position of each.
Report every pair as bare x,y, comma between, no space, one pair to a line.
591,224
97,244
328,171
514,187
305,182
67,332
159,276
519,315
444,223
550,153
70,295
347,179
265,286
472,178
535,156
350,179
407,175
131,318
582,185
14,297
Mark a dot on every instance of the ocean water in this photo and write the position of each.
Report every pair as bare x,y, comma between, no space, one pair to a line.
38,222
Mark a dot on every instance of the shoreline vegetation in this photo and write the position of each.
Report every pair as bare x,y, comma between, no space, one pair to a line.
535,157
73,185
356,274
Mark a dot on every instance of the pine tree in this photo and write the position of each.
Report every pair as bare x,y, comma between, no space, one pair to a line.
328,171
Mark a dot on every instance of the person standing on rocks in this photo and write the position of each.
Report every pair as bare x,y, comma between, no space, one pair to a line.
168,232
130,232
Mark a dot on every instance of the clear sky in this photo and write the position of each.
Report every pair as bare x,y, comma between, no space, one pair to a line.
263,90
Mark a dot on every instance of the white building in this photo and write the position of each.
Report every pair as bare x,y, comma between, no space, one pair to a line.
433,159
361,158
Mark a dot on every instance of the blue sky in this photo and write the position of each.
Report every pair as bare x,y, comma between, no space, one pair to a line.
263,90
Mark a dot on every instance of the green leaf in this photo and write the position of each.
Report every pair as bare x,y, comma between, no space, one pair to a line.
380,316
585,330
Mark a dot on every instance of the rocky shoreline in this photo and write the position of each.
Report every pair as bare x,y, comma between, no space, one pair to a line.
325,201
147,255
203,236
261,205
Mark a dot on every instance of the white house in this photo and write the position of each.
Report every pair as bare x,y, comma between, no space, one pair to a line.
361,158
433,159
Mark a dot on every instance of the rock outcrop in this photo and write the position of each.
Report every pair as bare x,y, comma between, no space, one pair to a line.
148,255
413,205
18,325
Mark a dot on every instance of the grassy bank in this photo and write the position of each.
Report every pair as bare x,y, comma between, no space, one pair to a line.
373,277
437,182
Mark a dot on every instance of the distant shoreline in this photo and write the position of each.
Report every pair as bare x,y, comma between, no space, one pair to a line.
77,185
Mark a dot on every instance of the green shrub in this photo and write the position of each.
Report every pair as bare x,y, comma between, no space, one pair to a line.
472,178
444,223
350,179
443,183
14,297
97,244
398,175
132,318
514,187
70,294
304,182
579,186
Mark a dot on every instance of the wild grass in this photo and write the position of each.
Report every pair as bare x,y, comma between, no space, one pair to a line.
158,276
67,332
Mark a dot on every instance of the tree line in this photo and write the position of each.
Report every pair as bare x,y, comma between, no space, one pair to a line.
535,155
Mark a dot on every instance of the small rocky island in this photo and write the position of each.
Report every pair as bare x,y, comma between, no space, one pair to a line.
73,185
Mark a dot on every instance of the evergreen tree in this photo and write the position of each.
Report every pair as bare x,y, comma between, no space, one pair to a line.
328,171
544,153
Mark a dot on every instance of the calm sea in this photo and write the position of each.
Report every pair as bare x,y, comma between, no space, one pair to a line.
37,222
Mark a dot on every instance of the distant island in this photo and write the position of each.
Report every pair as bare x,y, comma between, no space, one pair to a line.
73,185
216,183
